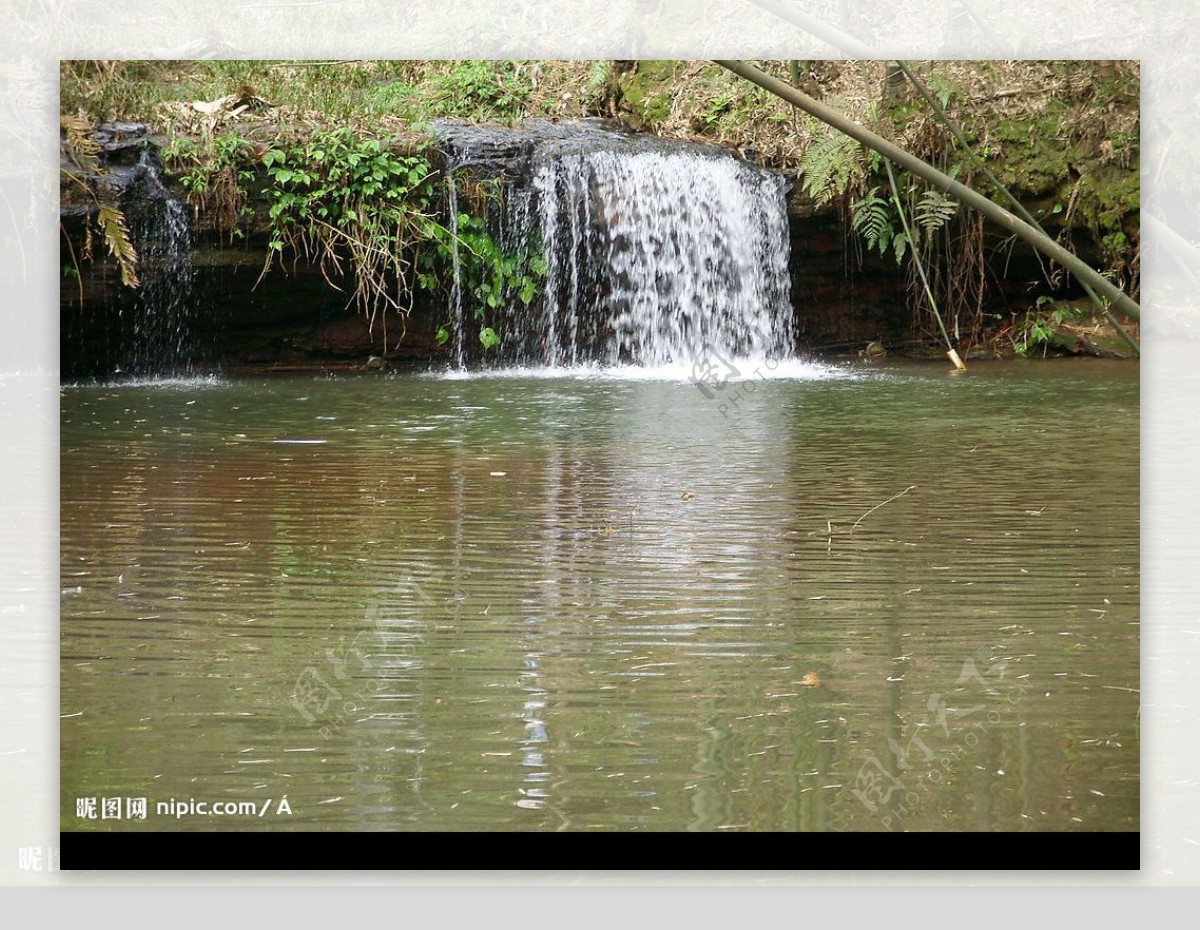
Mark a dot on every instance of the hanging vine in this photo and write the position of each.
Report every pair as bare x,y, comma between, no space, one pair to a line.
84,152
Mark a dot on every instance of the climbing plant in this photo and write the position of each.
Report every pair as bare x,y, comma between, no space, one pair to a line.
488,275
366,213
350,204
216,174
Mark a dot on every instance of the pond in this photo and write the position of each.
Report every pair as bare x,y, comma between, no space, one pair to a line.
834,599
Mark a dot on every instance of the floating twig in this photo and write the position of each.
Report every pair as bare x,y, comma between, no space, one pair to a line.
877,506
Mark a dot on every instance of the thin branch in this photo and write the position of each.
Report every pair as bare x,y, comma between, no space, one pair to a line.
914,247
911,487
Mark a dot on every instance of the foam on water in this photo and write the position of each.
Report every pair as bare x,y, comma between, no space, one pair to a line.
792,369
169,382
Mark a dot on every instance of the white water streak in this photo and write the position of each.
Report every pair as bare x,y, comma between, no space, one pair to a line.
677,254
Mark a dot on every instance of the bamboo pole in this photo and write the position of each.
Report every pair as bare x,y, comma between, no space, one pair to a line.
1186,255
942,182
913,246
961,139
819,28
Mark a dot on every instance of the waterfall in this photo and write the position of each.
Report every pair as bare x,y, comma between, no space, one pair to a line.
456,298
685,253
657,253
160,227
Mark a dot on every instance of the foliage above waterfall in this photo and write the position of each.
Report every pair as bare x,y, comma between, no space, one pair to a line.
352,204
339,200
1042,125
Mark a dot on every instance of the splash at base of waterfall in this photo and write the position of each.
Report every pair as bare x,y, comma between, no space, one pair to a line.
745,370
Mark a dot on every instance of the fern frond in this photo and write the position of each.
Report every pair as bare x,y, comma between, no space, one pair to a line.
598,76
81,147
934,210
830,165
872,219
116,235
943,88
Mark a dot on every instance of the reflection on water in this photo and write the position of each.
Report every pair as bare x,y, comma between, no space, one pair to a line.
587,603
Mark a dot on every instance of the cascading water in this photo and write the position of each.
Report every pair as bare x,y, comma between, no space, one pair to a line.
685,251
160,227
456,296
656,253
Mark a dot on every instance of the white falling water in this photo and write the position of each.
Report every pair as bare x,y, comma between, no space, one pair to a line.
456,295
658,254
161,229
659,257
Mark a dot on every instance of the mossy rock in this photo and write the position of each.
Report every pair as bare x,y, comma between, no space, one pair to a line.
1083,331
1111,196
647,91
1034,163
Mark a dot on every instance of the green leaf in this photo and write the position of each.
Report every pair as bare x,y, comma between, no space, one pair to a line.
872,219
934,210
488,337
443,336
829,165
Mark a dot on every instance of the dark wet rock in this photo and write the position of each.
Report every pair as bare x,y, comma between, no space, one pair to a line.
116,138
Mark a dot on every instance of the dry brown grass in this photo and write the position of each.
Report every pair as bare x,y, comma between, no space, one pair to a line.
704,101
